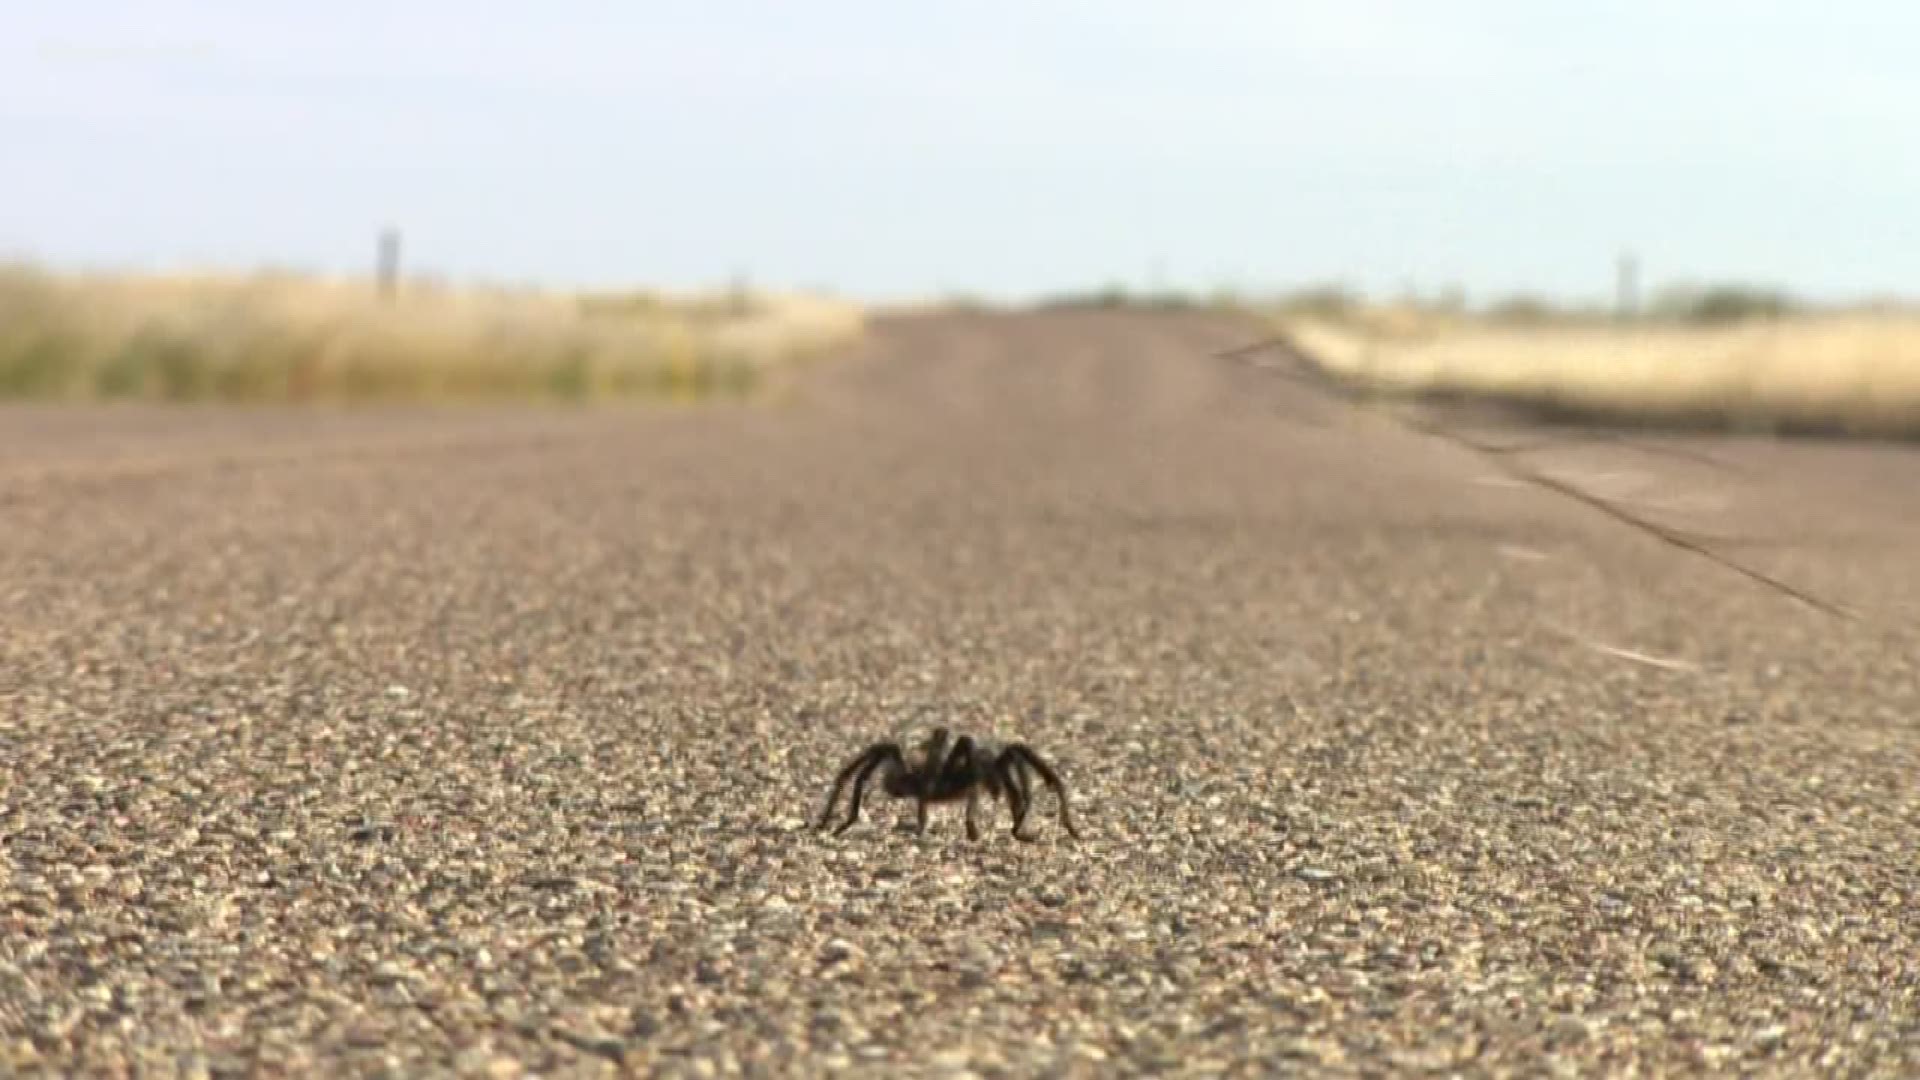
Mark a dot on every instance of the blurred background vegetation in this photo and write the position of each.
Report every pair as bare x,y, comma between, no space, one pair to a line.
1723,356
290,337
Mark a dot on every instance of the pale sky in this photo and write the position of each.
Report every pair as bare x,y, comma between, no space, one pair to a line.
997,147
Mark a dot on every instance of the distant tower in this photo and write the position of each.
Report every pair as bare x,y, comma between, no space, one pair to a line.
388,269
1627,288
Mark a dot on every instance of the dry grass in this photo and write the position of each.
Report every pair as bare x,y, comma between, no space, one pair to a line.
1852,373
282,337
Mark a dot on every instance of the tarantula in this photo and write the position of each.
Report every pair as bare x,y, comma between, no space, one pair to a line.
950,775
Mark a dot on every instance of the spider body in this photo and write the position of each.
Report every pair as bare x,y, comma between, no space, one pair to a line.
950,770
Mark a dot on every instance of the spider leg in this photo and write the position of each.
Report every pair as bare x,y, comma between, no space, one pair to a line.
865,756
884,754
941,777
1019,770
1052,780
1014,782
990,772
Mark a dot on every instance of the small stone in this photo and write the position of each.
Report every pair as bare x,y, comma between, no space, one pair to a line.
838,950
1320,1051
1571,1028
483,1062
1089,1051
599,1045
1715,1055
19,1054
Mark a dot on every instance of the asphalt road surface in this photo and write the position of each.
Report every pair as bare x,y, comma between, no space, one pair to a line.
490,743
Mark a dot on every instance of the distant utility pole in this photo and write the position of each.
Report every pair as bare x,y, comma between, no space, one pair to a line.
739,295
1627,288
388,269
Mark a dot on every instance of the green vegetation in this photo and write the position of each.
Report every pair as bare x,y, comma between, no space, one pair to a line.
1721,305
1118,297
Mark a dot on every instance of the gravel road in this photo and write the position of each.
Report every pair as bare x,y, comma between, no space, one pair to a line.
489,743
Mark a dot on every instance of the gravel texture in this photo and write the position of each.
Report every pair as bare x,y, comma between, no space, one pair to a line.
488,744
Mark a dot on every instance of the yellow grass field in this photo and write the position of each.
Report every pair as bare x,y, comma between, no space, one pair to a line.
274,337
1845,373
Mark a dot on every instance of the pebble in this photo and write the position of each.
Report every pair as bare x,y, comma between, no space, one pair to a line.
838,950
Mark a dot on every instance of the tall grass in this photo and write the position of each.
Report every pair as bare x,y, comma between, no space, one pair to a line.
1846,373
274,337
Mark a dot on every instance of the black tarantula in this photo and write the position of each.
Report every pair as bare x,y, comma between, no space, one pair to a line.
946,775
